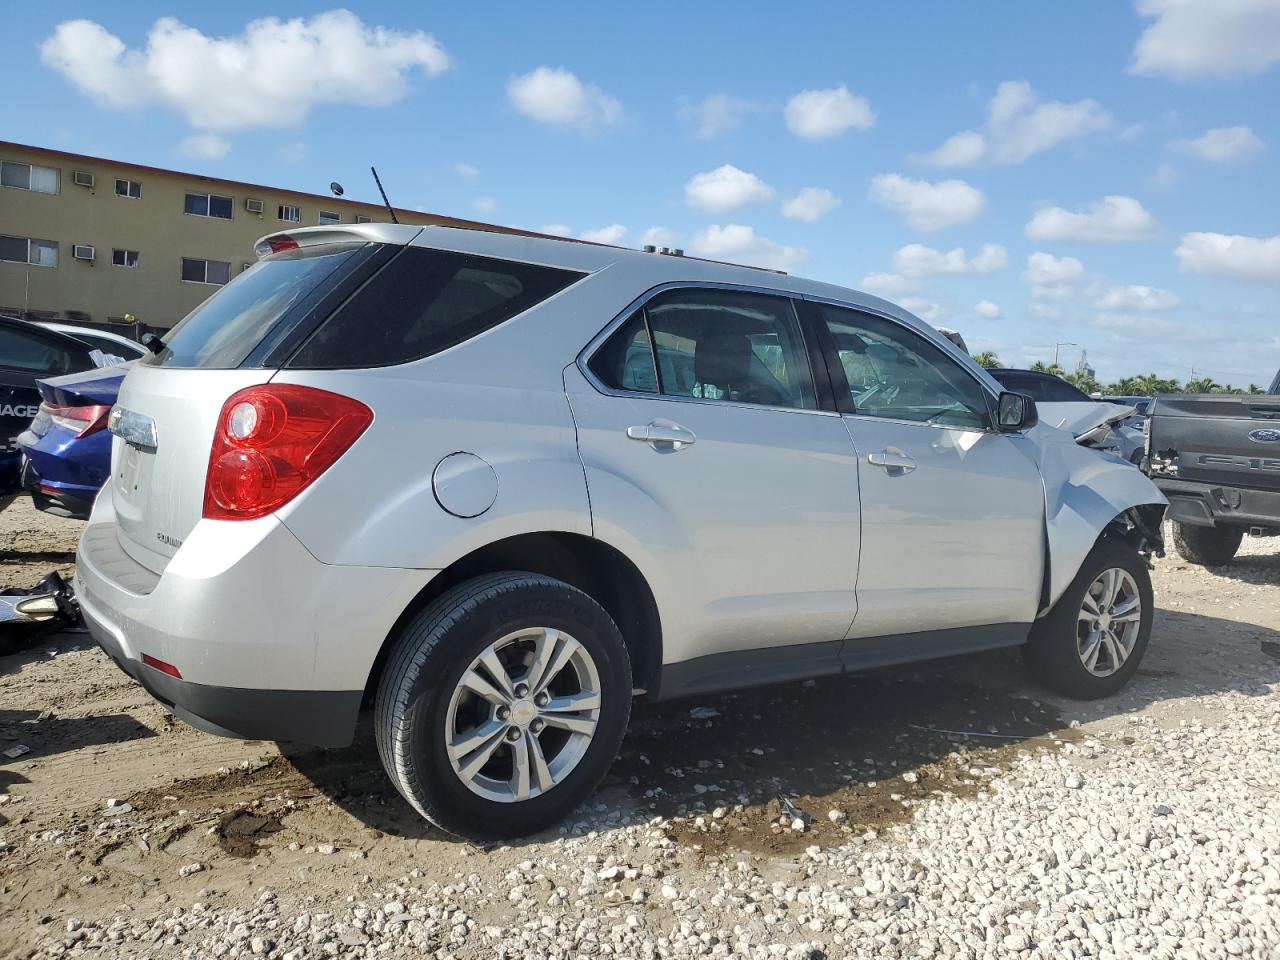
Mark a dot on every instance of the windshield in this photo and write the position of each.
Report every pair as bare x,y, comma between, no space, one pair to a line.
223,331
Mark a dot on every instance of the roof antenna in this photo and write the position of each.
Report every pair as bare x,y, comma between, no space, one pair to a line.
387,202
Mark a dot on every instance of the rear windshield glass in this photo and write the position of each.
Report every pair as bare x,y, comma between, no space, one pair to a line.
222,331
425,301
1040,389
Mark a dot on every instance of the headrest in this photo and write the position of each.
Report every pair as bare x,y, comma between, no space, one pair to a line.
722,359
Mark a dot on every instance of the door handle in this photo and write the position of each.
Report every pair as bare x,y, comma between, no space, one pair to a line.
894,462
671,435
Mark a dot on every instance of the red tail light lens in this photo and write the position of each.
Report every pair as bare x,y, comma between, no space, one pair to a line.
271,442
81,421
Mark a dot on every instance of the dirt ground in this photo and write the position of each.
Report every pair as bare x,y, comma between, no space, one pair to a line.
114,797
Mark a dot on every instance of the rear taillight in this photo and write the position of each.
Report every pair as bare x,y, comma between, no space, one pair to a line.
81,421
271,442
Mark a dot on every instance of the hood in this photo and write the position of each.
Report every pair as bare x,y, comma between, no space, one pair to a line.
1086,420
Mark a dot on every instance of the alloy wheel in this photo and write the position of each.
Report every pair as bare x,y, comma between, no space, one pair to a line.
1109,622
523,714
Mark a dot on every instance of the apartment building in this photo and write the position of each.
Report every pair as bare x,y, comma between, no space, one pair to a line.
94,239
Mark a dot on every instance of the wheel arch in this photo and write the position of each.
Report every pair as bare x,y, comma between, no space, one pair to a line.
599,570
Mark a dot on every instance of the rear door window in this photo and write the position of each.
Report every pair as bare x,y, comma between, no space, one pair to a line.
425,301
33,353
224,330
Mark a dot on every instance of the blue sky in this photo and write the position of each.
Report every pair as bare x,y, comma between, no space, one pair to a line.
1095,172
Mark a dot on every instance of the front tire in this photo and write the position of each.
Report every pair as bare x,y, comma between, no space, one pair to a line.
1206,546
502,705
1092,641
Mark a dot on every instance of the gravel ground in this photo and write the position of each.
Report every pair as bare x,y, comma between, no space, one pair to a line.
950,810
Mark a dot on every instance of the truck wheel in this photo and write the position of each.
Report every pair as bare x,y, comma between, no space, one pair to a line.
1207,546
502,705
1091,642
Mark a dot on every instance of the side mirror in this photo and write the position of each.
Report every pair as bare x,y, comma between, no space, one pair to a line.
1016,412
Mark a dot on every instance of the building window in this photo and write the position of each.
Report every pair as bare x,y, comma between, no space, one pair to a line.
128,188
40,253
326,217
124,258
290,214
207,205
24,176
205,271
363,219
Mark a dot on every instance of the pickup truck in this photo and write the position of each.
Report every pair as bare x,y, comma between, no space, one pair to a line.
1217,458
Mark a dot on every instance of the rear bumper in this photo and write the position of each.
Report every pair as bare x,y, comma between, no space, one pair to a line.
63,499
1206,505
271,644
322,718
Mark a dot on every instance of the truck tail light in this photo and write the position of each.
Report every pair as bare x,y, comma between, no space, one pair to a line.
270,444
82,420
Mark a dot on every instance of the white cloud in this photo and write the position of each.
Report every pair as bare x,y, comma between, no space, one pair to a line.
886,284
1133,297
1221,38
466,171
926,310
269,75
484,204
294,152
557,229
715,114
926,206
725,188
1019,126
1146,329
658,237
1222,145
1053,278
555,96
917,260
611,234
741,244
1165,176
810,205
204,146
819,114
1225,255
1112,219
988,310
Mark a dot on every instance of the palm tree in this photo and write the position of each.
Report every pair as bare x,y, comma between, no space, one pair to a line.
987,359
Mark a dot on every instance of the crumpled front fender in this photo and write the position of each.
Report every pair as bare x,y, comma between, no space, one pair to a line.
1085,490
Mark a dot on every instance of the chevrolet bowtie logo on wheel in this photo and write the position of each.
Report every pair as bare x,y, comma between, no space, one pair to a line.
1264,436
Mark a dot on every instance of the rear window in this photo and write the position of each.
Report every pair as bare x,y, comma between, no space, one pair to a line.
223,331
425,301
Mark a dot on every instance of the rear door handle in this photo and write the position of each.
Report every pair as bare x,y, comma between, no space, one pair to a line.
670,435
894,462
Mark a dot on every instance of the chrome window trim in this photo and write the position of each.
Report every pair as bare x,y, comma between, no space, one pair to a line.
598,341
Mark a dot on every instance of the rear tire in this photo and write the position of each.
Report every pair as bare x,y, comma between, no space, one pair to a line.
502,705
1069,652
1206,546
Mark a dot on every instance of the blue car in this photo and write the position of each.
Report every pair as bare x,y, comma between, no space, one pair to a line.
66,452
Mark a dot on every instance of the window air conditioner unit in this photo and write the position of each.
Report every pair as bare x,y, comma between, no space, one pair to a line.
82,251
253,206
82,178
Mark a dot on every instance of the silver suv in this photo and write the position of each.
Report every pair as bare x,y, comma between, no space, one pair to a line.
498,485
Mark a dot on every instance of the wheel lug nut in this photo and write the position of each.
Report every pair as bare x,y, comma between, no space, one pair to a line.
504,713
537,726
542,699
522,691
513,734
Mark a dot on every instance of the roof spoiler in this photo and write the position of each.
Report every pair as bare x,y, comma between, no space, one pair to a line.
356,233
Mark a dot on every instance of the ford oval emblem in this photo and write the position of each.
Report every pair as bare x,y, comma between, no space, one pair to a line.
1264,436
